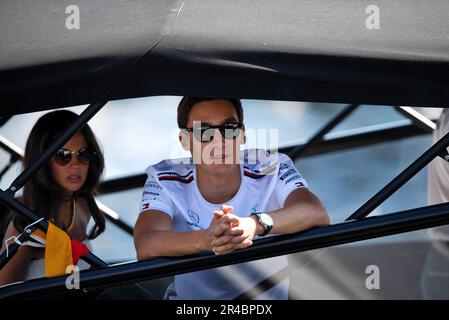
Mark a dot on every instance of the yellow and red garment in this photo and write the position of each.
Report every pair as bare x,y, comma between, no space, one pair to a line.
60,250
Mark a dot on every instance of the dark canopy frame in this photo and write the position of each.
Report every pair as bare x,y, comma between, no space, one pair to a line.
314,51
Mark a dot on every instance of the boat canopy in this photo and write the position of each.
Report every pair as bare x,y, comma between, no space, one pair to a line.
300,50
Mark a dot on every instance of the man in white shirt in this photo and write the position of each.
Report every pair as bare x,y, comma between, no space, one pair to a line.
220,200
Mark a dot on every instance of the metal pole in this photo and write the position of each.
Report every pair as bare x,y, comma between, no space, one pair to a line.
3,120
356,138
114,218
444,154
346,232
121,184
8,199
11,148
401,179
12,249
11,161
299,150
417,118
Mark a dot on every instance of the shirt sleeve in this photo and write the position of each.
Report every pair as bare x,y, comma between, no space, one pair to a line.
154,197
288,179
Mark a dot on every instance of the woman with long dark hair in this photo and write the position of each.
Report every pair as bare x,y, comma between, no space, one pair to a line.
61,192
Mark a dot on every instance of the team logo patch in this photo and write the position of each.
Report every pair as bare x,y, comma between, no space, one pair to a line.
194,219
254,208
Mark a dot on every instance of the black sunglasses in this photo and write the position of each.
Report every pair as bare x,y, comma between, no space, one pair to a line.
205,133
64,156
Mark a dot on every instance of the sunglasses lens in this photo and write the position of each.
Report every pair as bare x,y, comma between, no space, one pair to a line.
227,130
63,157
207,134
85,156
230,130
204,134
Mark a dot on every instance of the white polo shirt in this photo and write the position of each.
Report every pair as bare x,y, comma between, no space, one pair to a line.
267,181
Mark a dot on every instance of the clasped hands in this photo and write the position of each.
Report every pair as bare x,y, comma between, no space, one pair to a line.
228,232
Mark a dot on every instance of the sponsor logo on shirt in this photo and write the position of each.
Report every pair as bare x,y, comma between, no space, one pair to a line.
287,174
254,208
292,178
146,206
153,185
194,219
282,167
150,193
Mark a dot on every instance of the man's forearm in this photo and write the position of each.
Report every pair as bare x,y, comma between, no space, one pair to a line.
296,218
170,244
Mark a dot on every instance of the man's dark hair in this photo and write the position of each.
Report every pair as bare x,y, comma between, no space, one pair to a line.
186,104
